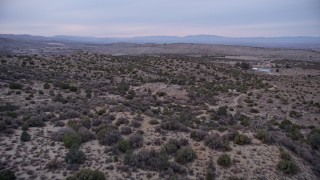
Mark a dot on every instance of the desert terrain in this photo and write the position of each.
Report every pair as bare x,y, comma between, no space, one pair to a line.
170,111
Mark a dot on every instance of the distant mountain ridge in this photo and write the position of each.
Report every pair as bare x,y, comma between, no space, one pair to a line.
285,42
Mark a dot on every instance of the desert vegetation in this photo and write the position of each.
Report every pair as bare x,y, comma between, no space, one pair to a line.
85,115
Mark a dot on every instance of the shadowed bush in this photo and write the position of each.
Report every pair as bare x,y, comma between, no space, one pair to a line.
108,136
198,135
148,160
185,155
25,136
75,156
71,139
87,174
224,160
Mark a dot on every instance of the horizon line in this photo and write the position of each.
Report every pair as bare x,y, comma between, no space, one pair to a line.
88,36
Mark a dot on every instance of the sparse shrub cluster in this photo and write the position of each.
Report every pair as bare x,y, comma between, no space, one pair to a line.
264,136
198,135
87,174
286,164
108,136
148,160
214,141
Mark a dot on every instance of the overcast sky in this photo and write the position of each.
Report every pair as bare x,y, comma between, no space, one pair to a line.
119,18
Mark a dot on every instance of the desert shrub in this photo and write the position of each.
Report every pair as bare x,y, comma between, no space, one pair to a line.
58,135
314,138
264,136
171,147
224,160
148,160
160,94
59,123
211,171
294,114
53,164
86,135
25,127
121,120
7,175
214,141
178,168
96,122
295,134
59,98
173,125
185,155
222,111
86,122
71,139
123,145
73,88
101,111
198,135
36,121
285,124
75,156
74,124
284,155
25,136
135,123
14,85
8,107
123,87
3,126
136,141
153,122
242,139
87,174
131,94
46,86
125,130
11,114
288,167
255,111
108,136
286,164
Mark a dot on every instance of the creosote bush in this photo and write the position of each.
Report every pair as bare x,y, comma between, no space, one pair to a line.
185,155
136,141
108,136
242,139
148,160
87,174
286,164
211,171
123,145
7,175
198,135
224,160
25,136
264,136
314,139
75,156
71,139
14,85
214,141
